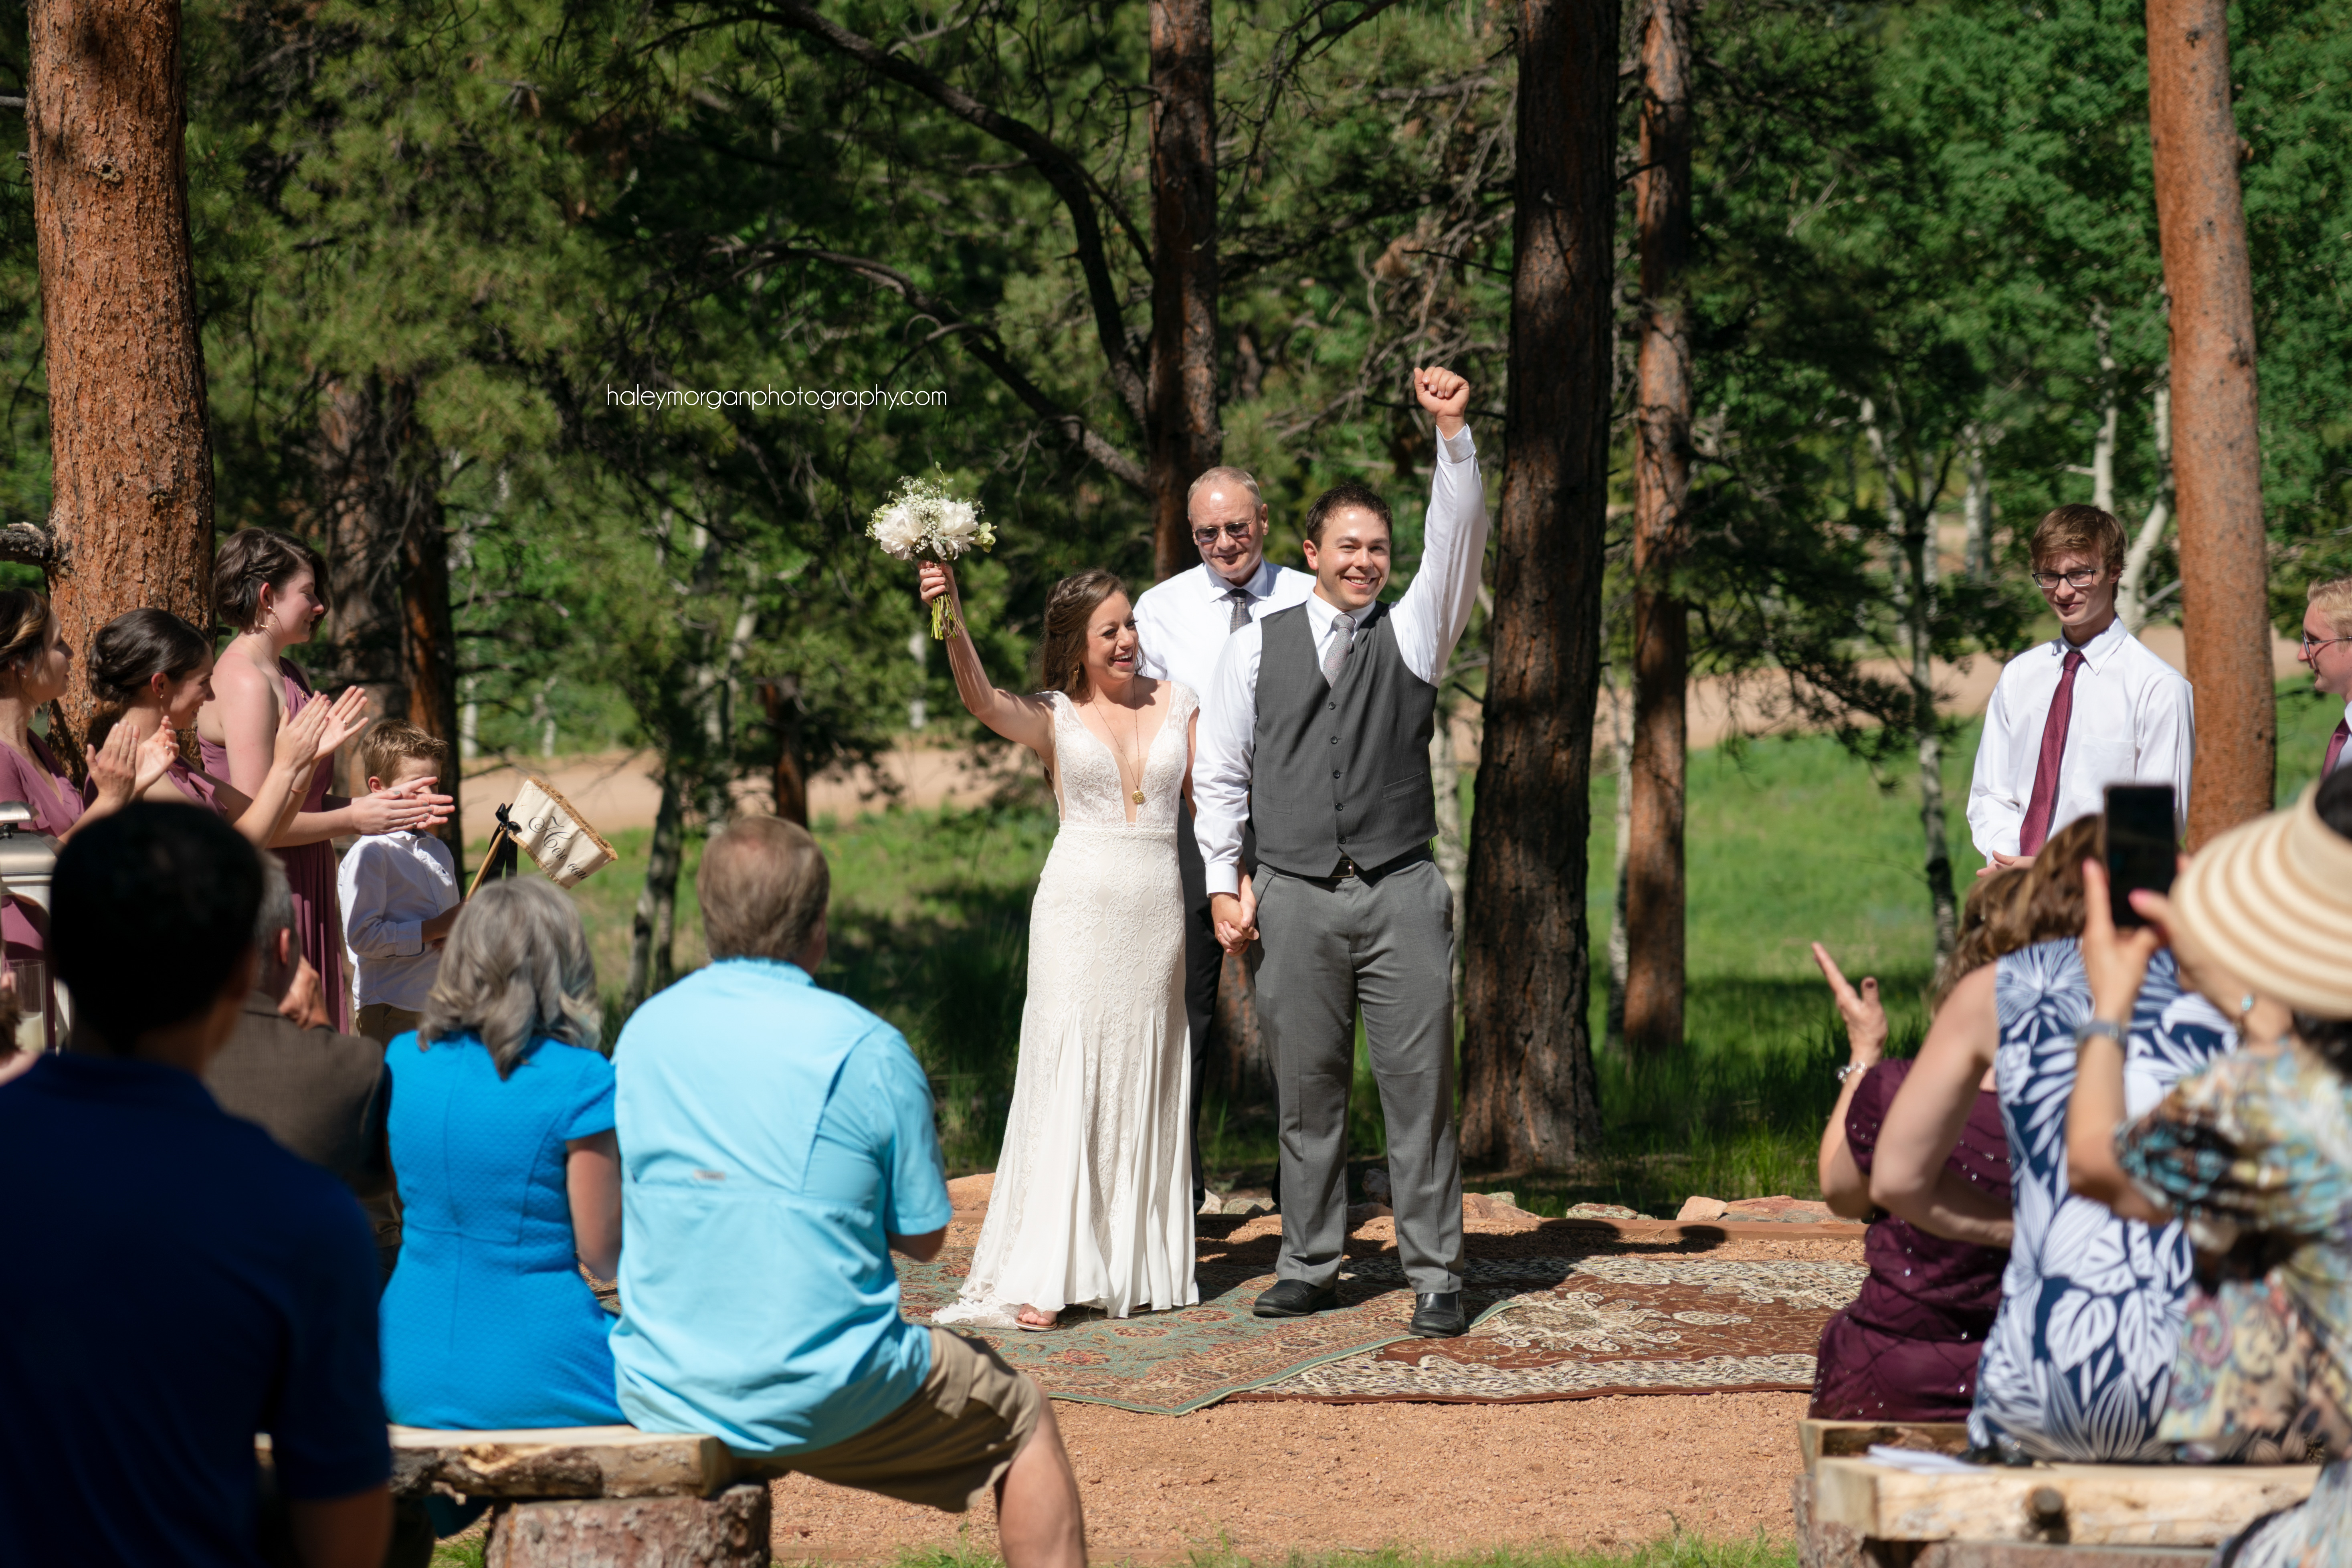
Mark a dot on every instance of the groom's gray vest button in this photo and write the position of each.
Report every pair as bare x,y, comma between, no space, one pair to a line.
1379,715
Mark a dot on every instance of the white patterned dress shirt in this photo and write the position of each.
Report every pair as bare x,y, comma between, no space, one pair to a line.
2134,721
1428,621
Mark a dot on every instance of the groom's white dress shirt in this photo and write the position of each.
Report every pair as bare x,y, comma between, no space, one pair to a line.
1427,622
2134,721
1185,622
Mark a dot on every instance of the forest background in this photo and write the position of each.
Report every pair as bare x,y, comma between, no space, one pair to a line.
438,245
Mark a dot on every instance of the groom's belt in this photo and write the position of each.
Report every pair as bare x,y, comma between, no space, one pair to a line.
1347,869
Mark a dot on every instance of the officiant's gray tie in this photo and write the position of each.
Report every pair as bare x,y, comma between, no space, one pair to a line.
1240,598
1343,638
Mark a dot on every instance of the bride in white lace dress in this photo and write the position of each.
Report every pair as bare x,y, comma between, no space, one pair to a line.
1091,1204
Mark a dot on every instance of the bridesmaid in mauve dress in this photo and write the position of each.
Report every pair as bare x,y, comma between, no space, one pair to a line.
35,661
266,585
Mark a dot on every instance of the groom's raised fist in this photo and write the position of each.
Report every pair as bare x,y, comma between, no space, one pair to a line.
1444,394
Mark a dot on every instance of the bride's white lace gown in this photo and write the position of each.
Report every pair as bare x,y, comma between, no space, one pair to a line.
1092,1202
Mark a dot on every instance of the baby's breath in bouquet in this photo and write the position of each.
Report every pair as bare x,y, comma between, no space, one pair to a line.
924,520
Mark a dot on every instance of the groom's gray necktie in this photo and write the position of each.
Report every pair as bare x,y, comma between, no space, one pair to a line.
1240,598
1343,638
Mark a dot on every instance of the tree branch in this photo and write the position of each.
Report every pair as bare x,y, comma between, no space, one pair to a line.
988,349
28,544
1061,171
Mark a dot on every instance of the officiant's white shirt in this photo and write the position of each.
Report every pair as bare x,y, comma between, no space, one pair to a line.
2134,721
1428,621
1183,624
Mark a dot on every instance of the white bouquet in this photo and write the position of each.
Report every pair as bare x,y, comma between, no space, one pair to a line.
923,521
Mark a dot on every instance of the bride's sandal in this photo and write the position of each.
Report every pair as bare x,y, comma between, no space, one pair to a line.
1020,1321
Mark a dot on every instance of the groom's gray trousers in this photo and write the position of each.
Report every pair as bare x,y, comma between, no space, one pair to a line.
1384,943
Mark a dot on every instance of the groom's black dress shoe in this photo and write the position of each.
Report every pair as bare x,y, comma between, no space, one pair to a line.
1296,1298
1437,1315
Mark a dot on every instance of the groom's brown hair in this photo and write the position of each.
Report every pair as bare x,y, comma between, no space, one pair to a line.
763,886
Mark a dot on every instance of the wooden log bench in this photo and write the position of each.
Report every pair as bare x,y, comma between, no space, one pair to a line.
1854,1512
587,1497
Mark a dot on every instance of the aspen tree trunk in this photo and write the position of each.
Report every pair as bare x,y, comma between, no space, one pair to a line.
130,518
1977,511
2103,446
2131,593
1181,398
2217,460
1654,922
1528,1092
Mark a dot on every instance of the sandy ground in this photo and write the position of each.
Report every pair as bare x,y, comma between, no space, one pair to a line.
618,790
1267,1479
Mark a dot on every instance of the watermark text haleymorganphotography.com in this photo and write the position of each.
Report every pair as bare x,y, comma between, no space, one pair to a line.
827,398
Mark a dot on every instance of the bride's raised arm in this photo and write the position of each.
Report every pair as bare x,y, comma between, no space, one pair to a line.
1024,720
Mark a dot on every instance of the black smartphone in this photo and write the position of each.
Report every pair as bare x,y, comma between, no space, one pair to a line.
2142,846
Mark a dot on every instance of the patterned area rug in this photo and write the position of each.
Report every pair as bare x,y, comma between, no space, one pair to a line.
1544,1328
1169,1362
1563,1328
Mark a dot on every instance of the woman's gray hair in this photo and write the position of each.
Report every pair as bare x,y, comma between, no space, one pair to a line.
516,971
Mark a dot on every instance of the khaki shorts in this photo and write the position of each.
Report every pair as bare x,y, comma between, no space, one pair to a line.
380,1021
956,1436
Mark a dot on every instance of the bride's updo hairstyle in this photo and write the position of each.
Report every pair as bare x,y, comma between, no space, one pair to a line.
1071,606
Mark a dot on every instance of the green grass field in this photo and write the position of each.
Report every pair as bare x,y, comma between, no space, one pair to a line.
1789,840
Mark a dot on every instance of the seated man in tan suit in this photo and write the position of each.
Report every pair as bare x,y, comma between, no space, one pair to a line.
323,1096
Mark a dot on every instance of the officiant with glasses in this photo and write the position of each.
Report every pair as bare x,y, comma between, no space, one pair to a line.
1183,624
1315,736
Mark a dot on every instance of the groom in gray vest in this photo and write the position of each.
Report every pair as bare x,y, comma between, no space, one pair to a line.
1317,738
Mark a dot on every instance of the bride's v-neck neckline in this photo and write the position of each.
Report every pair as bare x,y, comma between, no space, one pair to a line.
1132,807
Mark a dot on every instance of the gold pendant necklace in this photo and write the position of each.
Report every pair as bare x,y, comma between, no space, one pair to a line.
1134,735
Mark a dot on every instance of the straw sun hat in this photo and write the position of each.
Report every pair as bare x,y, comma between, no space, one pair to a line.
2272,900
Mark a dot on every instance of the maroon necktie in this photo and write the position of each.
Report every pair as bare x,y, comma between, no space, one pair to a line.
2336,744
2053,749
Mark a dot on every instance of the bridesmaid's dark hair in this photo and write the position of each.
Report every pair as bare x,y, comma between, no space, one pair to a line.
129,651
251,558
1069,608
25,624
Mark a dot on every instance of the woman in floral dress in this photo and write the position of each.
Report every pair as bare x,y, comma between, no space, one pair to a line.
2254,1154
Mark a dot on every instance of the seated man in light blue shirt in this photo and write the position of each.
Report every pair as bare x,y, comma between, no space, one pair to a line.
776,1143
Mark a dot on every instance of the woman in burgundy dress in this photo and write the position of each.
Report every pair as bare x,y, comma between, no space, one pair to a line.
1906,1349
266,585
34,662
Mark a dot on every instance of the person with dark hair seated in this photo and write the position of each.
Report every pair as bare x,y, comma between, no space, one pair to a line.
1906,1348
321,1095
2253,1155
181,1283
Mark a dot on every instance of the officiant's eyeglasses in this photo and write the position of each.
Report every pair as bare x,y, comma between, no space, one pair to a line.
1238,533
2078,579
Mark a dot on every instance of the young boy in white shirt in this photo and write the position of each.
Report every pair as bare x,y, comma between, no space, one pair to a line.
399,892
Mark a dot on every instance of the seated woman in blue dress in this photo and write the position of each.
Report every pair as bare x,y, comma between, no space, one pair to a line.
509,1178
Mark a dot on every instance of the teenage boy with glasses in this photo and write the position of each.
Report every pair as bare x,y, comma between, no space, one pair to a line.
1182,626
2327,652
2089,708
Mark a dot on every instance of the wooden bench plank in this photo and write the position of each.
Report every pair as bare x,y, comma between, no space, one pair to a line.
2083,1504
559,1462
1817,1440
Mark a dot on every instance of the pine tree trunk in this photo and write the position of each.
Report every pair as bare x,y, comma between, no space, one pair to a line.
360,452
1655,871
2216,458
780,698
1453,850
1528,1092
1180,399
651,954
131,519
430,651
